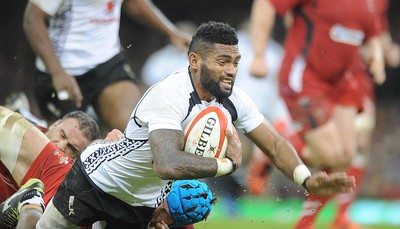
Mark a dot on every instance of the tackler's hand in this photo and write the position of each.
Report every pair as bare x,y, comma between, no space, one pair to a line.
161,217
234,150
113,136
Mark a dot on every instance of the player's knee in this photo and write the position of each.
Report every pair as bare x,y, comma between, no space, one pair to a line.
12,130
10,120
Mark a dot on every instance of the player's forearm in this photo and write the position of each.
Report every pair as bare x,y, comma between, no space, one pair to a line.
171,163
375,48
36,31
376,63
262,20
391,50
285,158
279,150
183,165
147,13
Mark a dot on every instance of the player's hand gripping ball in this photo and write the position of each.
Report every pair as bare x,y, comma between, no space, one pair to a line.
205,134
189,202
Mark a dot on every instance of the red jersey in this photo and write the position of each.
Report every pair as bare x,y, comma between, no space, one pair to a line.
7,184
51,166
382,11
327,34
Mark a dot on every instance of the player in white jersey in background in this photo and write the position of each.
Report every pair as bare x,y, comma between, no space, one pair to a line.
80,61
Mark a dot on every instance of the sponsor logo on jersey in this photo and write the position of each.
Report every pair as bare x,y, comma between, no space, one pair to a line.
344,35
110,5
62,157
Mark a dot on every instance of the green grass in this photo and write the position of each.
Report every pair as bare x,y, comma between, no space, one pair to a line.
254,213
239,224
249,224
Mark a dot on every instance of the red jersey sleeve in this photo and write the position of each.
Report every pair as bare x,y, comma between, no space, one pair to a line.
282,7
381,10
51,166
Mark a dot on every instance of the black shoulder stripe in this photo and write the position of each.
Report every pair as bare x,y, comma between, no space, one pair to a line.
228,104
193,100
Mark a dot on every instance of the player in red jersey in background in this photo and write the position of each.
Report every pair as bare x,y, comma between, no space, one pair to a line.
321,45
365,121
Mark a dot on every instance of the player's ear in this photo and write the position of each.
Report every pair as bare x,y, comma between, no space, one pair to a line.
194,60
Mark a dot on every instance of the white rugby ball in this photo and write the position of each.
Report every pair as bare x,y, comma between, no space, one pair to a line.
205,134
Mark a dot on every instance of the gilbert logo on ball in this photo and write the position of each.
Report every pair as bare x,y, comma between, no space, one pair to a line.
205,134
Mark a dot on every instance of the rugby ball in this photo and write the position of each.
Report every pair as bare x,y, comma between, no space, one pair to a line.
205,134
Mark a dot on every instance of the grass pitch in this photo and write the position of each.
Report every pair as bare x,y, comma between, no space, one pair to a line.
249,224
259,213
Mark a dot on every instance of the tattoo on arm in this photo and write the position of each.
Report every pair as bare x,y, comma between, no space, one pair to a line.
172,163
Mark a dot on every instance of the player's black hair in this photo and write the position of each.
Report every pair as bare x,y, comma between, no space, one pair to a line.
211,33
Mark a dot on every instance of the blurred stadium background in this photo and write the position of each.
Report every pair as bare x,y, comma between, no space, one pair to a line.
379,201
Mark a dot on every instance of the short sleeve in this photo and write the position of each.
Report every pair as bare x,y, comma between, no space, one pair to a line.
163,108
249,117
49,6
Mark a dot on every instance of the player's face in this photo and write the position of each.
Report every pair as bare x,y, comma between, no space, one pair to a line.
219,69
67,136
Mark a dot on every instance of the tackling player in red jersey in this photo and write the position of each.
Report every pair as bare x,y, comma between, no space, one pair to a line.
47,154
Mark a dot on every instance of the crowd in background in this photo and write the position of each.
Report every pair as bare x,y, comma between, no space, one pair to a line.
17,66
